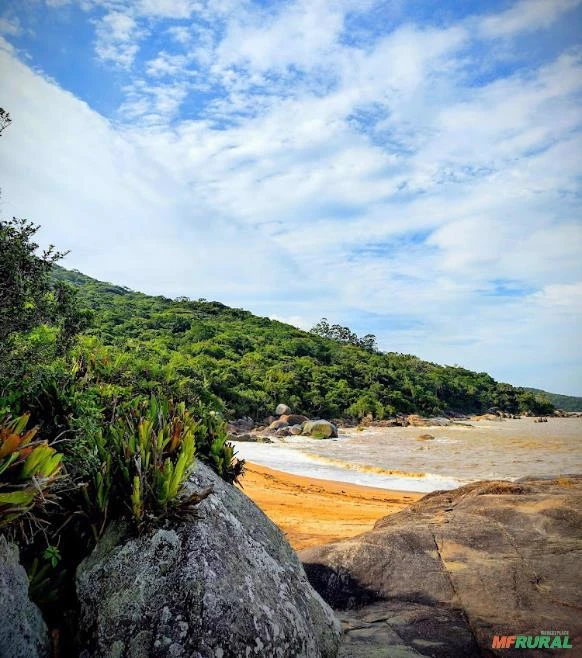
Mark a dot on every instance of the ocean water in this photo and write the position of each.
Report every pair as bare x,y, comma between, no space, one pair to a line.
393,457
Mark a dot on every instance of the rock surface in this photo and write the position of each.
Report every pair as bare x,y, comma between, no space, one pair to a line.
23,633
294,419
227,584
319,429
277,425
419,421
444,576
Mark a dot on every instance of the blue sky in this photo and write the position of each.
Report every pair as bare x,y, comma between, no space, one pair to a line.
409,168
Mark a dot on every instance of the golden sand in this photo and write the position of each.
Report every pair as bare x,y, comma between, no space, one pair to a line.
312,512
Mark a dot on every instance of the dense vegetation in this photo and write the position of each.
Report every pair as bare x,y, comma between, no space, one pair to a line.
563,402
78,450
241,364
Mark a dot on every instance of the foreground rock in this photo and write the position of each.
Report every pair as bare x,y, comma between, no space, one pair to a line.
23,633
444,576
227,584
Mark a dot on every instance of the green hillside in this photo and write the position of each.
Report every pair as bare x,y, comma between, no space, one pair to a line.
564,402
242,364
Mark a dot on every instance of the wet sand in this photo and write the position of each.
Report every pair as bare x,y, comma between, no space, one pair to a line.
312,512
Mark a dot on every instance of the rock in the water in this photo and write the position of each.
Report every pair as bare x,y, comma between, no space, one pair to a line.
282,409
493,417
227,584
319,429
23,633
284,431
419,421
444,576
425,437
296,429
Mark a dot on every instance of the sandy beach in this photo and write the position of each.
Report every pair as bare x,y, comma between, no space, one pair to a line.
312,512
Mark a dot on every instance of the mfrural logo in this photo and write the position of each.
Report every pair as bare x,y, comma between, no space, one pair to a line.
545,640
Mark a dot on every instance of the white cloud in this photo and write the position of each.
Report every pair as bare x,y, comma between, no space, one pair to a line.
301,35
165,65
525,16
180,34
168,8
10,27
118,36
122,215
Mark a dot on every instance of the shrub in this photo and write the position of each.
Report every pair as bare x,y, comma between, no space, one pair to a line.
213,446
145,456
27,468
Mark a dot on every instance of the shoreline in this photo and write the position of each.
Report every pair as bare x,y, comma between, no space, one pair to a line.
311,511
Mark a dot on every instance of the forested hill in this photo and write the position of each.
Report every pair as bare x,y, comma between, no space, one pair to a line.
564,402
244,365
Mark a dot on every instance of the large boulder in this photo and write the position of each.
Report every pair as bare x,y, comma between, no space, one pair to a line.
446,575
23,633
319,429
282,409
227,584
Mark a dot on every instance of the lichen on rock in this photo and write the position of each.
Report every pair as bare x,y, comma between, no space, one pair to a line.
227,584
23,633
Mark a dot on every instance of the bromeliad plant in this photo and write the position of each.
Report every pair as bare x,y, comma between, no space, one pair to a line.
27,468
214,448
146,456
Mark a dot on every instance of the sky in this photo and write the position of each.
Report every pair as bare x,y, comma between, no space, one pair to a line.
409,168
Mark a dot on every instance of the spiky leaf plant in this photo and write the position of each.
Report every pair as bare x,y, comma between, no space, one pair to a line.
27,468
214,448
146,456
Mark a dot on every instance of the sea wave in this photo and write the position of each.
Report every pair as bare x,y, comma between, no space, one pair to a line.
367,468
292,460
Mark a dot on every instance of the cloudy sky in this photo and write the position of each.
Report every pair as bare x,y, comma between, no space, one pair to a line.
410,168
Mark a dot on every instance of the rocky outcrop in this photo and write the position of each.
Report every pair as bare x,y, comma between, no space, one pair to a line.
444,576
419,421
277,425
243,438
23,633
294,419
227,584
490,417
319,429
282,409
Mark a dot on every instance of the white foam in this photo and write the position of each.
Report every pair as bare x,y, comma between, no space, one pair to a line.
294,461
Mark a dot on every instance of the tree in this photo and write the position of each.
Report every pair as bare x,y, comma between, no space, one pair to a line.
26,293
5,120
344,335
39,318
